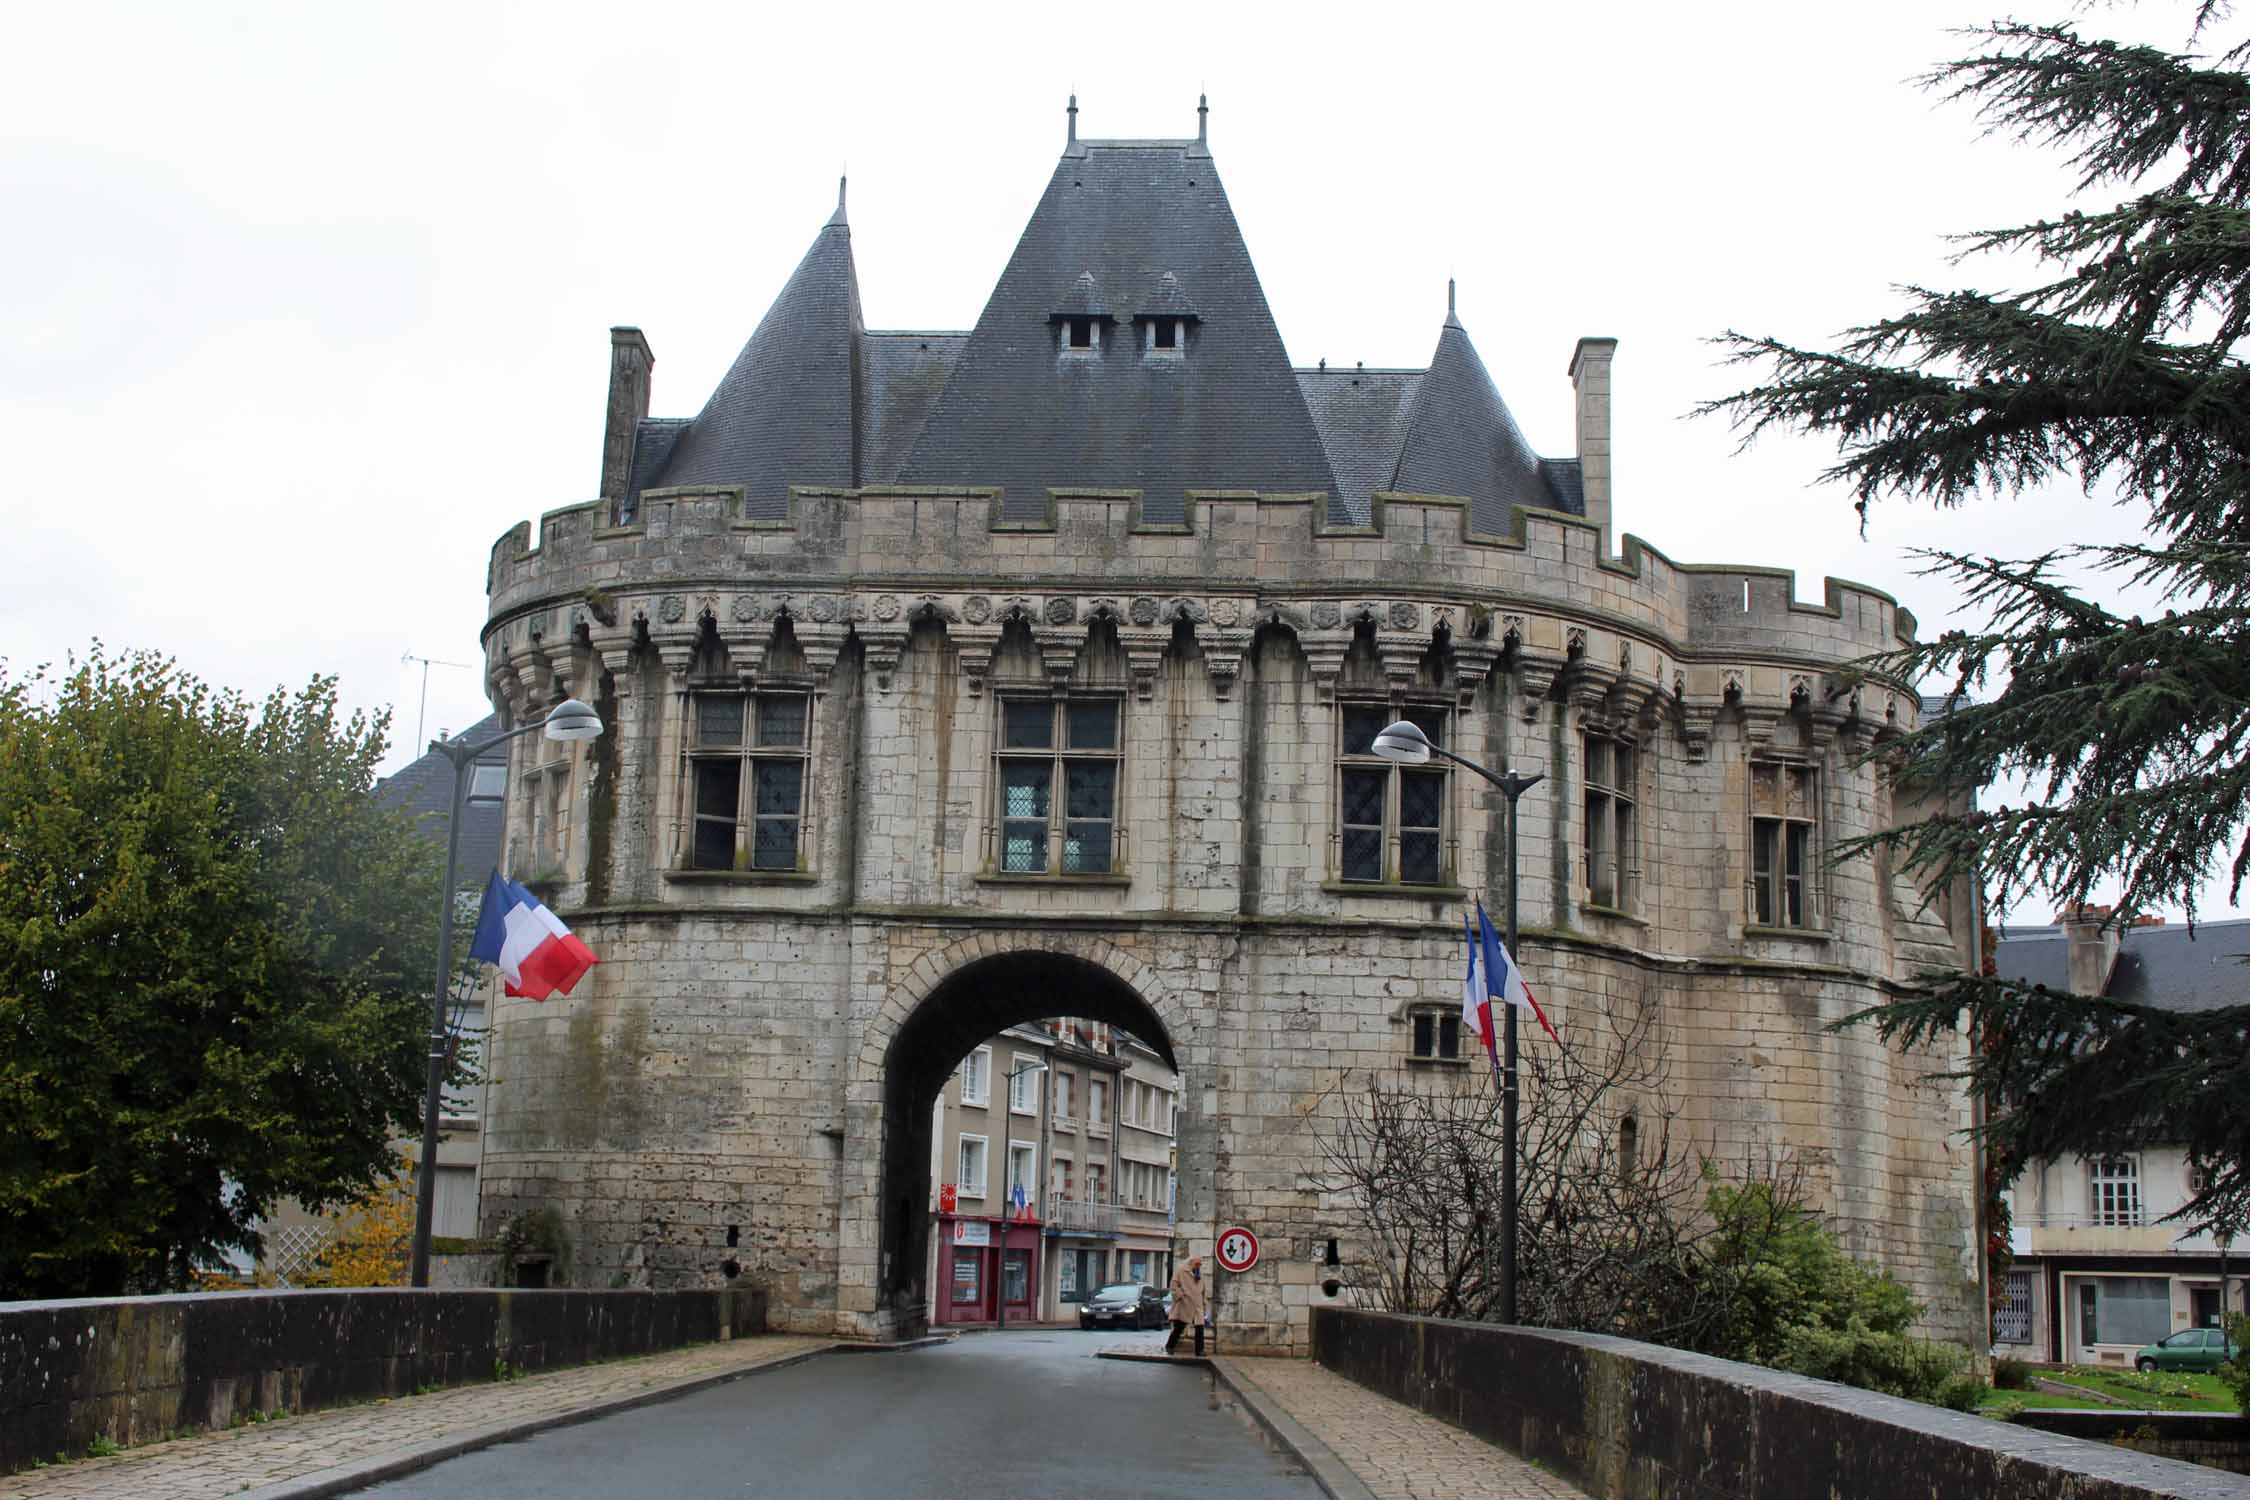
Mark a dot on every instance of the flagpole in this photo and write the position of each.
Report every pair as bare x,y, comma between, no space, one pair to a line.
568,720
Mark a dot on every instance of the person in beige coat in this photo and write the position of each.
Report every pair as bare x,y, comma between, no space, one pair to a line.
1191,1305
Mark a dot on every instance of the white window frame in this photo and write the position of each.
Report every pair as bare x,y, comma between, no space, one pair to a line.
976,1077
2113,1191
1097,1181
962,1187
1061,1094
1097,1105
1028,1153
1066,1164
1023,1080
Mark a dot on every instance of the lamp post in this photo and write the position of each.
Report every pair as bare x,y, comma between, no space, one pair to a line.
1405,743
568,720
1000,1260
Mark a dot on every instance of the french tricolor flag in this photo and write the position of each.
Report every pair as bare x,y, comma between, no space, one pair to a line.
1493,975
535,953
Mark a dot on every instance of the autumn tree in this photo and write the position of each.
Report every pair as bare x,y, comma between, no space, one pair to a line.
2117,370
214,953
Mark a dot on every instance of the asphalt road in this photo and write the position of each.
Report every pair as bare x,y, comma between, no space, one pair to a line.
1001,1415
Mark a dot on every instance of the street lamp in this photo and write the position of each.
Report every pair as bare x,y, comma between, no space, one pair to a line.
567,720
1000,1261
1405,743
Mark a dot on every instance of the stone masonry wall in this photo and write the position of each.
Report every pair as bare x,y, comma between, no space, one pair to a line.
725,1065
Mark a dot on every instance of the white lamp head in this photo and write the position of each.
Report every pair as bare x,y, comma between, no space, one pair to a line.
572,720
1403,742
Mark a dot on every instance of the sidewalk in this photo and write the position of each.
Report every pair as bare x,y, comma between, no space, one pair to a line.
329,1452
1391,1452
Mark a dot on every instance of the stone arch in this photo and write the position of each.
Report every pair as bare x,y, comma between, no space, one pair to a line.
950,1000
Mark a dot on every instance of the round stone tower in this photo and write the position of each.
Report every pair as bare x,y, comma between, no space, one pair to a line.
955,680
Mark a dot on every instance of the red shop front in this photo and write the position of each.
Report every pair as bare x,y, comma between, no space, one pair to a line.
970,1269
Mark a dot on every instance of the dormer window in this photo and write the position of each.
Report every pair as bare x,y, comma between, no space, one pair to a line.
1164,333
1081,333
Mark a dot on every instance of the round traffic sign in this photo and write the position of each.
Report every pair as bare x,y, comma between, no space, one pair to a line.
1237,1250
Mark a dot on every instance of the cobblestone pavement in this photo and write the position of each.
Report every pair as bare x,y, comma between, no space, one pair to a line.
1397,1452
300,1448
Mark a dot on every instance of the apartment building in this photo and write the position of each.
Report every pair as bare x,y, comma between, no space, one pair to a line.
2098,1271
1053,1170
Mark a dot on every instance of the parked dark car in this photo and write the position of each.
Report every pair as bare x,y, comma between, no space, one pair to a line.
2189,1349
1123,1306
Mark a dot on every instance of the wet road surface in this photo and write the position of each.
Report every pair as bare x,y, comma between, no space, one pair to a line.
1003,1415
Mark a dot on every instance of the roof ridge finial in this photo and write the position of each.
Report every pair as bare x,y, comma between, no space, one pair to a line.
1203,119
1452,318
837,218
1073,113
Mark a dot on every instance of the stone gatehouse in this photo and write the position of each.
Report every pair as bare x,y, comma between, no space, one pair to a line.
955,680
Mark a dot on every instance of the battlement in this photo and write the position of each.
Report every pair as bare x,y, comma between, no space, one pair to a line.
1097,540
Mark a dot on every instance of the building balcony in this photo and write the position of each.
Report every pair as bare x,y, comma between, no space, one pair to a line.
2089,1234
1079,1216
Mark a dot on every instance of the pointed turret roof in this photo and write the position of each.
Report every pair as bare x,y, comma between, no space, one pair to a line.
1460,439
785,413
1023,411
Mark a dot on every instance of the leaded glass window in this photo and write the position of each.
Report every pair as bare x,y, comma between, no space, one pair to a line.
747,781
1058,773
1391,820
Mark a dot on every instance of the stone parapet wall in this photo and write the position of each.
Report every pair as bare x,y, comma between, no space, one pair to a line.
136,1369
725,1071
1419,548
1623,1420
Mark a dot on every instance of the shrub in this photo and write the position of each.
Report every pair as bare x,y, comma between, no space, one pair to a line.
1961,1393
2235,1373
1894,1363
2011,1374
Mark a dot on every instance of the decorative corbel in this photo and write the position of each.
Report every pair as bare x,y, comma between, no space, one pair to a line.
1059,648
1324,654
1472,664
1144,656
884,645
1535,675
976,645
1401,656
823,644
1222,658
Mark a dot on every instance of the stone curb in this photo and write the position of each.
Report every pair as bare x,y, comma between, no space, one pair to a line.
400,1462
1331,1473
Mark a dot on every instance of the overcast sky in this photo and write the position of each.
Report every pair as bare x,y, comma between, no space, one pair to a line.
309,304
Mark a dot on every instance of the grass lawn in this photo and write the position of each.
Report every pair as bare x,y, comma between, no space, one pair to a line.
2162,1391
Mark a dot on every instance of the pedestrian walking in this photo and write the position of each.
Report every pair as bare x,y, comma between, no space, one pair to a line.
1190,1307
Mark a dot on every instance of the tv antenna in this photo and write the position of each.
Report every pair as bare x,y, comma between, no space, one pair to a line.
421,713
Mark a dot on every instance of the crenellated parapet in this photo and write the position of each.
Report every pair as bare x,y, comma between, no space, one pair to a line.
1636,636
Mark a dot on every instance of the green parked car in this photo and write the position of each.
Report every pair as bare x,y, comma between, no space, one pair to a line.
2189,1349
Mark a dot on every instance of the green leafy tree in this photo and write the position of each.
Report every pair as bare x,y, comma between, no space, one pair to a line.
213,962
2118,371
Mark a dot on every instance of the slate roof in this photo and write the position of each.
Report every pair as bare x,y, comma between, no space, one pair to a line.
425,788
1124,230
1461,440
2163,966
788,411
902,375
1362,417
1021,413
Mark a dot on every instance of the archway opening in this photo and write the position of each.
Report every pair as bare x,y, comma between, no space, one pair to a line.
968,1009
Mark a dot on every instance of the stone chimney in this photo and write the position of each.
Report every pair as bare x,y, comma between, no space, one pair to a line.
630,364
2093,940
1589,379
